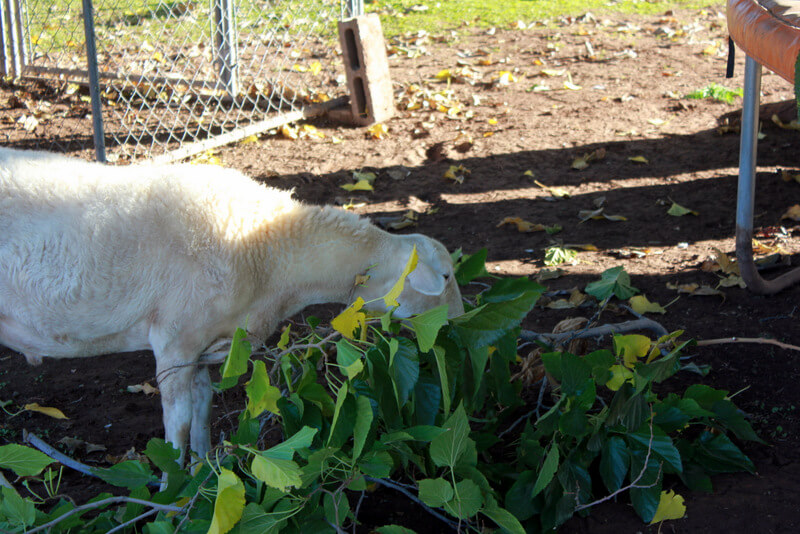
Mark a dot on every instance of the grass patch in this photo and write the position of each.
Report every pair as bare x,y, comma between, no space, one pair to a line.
715,91
401,16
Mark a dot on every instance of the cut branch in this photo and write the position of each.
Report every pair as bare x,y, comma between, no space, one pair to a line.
765,341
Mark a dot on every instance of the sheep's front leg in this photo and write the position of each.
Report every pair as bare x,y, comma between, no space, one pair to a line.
175,380
201,412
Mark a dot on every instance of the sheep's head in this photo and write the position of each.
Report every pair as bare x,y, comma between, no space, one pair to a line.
430,284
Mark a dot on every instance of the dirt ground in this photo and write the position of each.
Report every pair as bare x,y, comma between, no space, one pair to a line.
501,123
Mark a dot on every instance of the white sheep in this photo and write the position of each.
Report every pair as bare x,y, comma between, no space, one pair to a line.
97,259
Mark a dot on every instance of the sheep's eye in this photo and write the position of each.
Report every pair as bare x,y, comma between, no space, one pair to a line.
446,277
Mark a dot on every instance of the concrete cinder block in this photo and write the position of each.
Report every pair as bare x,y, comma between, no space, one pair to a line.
367,69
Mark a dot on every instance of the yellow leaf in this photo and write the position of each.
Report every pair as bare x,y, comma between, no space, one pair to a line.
641,305
229,504
571,86
361,185
368,176
456,173
145,388
631,348
55,413
299,68
378,131
492,121
553,72
792,213
670,506
351,318
787,176
249,140
290,132
619,374
390,299
557,192
639,159
309,130
528,173
522,225
725,263
443,74
315,68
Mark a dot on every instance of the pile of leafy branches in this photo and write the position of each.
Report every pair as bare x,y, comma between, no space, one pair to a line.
427,407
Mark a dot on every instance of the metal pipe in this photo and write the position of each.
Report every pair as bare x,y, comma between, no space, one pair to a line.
94,82
225,45
4,60
747,186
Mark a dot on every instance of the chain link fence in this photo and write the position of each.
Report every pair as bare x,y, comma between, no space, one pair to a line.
171,78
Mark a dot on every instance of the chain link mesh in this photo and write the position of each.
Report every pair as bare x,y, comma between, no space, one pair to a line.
176,72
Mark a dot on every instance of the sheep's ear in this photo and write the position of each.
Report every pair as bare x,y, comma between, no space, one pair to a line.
426,281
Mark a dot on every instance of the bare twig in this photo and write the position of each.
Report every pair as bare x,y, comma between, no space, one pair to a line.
389,484
104,502
134,520
766,341
634,483
602,330
60,457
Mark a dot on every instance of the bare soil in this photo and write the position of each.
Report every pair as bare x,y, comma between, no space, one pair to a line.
631,75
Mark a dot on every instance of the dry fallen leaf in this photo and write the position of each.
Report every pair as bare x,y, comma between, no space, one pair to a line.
55,413
639,159
582,162
727,265
599,213
378,131
792,213
522,225
361,185
787,176
556,192
145,388
641,305
457,173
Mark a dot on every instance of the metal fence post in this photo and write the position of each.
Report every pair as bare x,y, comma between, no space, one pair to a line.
4,63
225,45
94,82
352,8
14,37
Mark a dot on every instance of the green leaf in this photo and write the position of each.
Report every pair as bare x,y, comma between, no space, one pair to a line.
676,210
705,396
504,519
129,474
435,491
363,424
470,267
660,444
349,359
236,362
285,451
427,326
519,500
558,255
446,449
404,370
732,418
163,454
341,398
17,510
614,281
646,496
467,500
256,521
576,375
718,454
260,394
547,472
614,463
394,529
427,399
378,464
502,312
24,461
229,503
441,367
278,474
